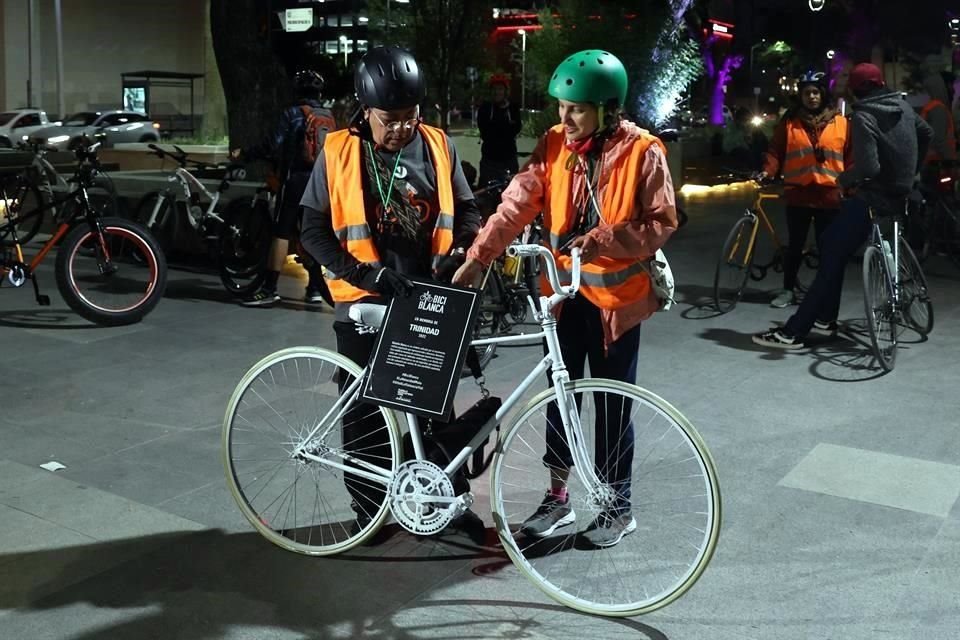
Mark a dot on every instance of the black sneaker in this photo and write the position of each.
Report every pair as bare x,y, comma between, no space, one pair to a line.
550,516
607,530
826,328
777,339
262,298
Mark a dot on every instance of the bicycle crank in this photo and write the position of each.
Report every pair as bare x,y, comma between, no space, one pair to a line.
422,498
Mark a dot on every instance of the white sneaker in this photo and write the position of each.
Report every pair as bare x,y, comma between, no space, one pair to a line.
785,298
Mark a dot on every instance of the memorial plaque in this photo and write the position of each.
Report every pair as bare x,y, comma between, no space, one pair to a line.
421,347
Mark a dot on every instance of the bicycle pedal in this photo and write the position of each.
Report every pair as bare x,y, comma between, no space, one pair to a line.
43,300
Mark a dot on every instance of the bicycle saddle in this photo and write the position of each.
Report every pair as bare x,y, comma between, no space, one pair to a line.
368,314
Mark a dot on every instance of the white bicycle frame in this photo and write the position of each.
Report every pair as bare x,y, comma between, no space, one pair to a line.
583,465
187,182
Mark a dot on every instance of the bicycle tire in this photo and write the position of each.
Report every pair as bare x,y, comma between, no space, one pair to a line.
136,286
243,246
298,380
733,267
164,226
32,199
916,303
559,565
879,308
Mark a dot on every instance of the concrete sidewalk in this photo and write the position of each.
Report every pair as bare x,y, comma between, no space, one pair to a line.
840,485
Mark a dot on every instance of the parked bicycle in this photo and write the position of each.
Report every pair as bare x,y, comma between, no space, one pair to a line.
895,291
109,270
238,238
510,286
286,463
939,222
738,260
42,182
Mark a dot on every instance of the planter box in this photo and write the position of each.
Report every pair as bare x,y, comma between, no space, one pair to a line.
138,156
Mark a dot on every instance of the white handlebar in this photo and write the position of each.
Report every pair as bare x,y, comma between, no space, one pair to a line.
537,250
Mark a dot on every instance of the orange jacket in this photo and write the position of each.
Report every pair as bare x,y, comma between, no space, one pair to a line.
636,223
608,282
791,153
343,153
951,141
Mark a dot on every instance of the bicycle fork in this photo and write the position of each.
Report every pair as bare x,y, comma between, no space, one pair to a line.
600,492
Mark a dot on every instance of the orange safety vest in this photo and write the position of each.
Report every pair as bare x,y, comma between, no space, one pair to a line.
343,153
800,166
932,155
609,283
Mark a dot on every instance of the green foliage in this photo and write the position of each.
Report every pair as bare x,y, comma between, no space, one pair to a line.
446,37
536,123
660,62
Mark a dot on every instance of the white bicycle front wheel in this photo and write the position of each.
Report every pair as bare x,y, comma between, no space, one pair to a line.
664,485
299,503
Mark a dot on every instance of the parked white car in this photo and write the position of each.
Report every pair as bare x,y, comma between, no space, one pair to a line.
17,125
112,126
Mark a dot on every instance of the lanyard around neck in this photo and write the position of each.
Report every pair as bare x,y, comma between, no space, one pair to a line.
384,199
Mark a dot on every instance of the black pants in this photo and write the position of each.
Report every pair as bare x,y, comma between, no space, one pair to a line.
364,431
840,240
580,333
798,224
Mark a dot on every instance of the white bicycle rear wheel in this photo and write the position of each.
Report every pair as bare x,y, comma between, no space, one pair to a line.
297,503
674,499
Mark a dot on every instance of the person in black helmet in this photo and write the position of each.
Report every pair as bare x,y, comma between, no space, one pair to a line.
285,149
387,200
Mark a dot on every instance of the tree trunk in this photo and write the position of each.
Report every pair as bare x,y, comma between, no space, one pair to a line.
214,104
254,82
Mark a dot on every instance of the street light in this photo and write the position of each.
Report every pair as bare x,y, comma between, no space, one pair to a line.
523,69
343,43
762,42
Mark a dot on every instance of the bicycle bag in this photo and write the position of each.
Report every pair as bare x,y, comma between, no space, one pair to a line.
317,122
661,279
442,441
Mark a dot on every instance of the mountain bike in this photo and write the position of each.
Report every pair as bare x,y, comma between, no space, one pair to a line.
738,261
894,291
109,270
238,237
287,462
41,180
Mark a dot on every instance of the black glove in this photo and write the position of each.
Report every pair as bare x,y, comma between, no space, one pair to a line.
448,265
386,281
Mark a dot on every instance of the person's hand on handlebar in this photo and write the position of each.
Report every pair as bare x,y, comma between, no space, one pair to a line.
589,247
469,274
387,282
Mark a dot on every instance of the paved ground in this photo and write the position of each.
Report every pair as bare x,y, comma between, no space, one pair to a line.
840,485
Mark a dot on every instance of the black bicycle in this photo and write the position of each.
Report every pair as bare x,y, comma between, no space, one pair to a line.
109,270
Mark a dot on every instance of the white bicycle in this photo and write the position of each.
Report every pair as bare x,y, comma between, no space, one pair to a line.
296,476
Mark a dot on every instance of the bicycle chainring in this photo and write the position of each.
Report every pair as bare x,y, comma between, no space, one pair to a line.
415,483
518,309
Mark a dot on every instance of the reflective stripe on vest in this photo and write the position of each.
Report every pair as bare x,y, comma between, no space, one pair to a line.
343,153
932,155
609,283
800,165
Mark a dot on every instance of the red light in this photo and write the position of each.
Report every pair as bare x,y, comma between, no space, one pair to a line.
529,27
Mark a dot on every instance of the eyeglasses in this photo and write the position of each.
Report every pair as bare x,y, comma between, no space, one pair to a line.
395,126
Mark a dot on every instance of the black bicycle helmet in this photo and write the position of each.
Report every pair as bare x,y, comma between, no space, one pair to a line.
389,78
308,83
